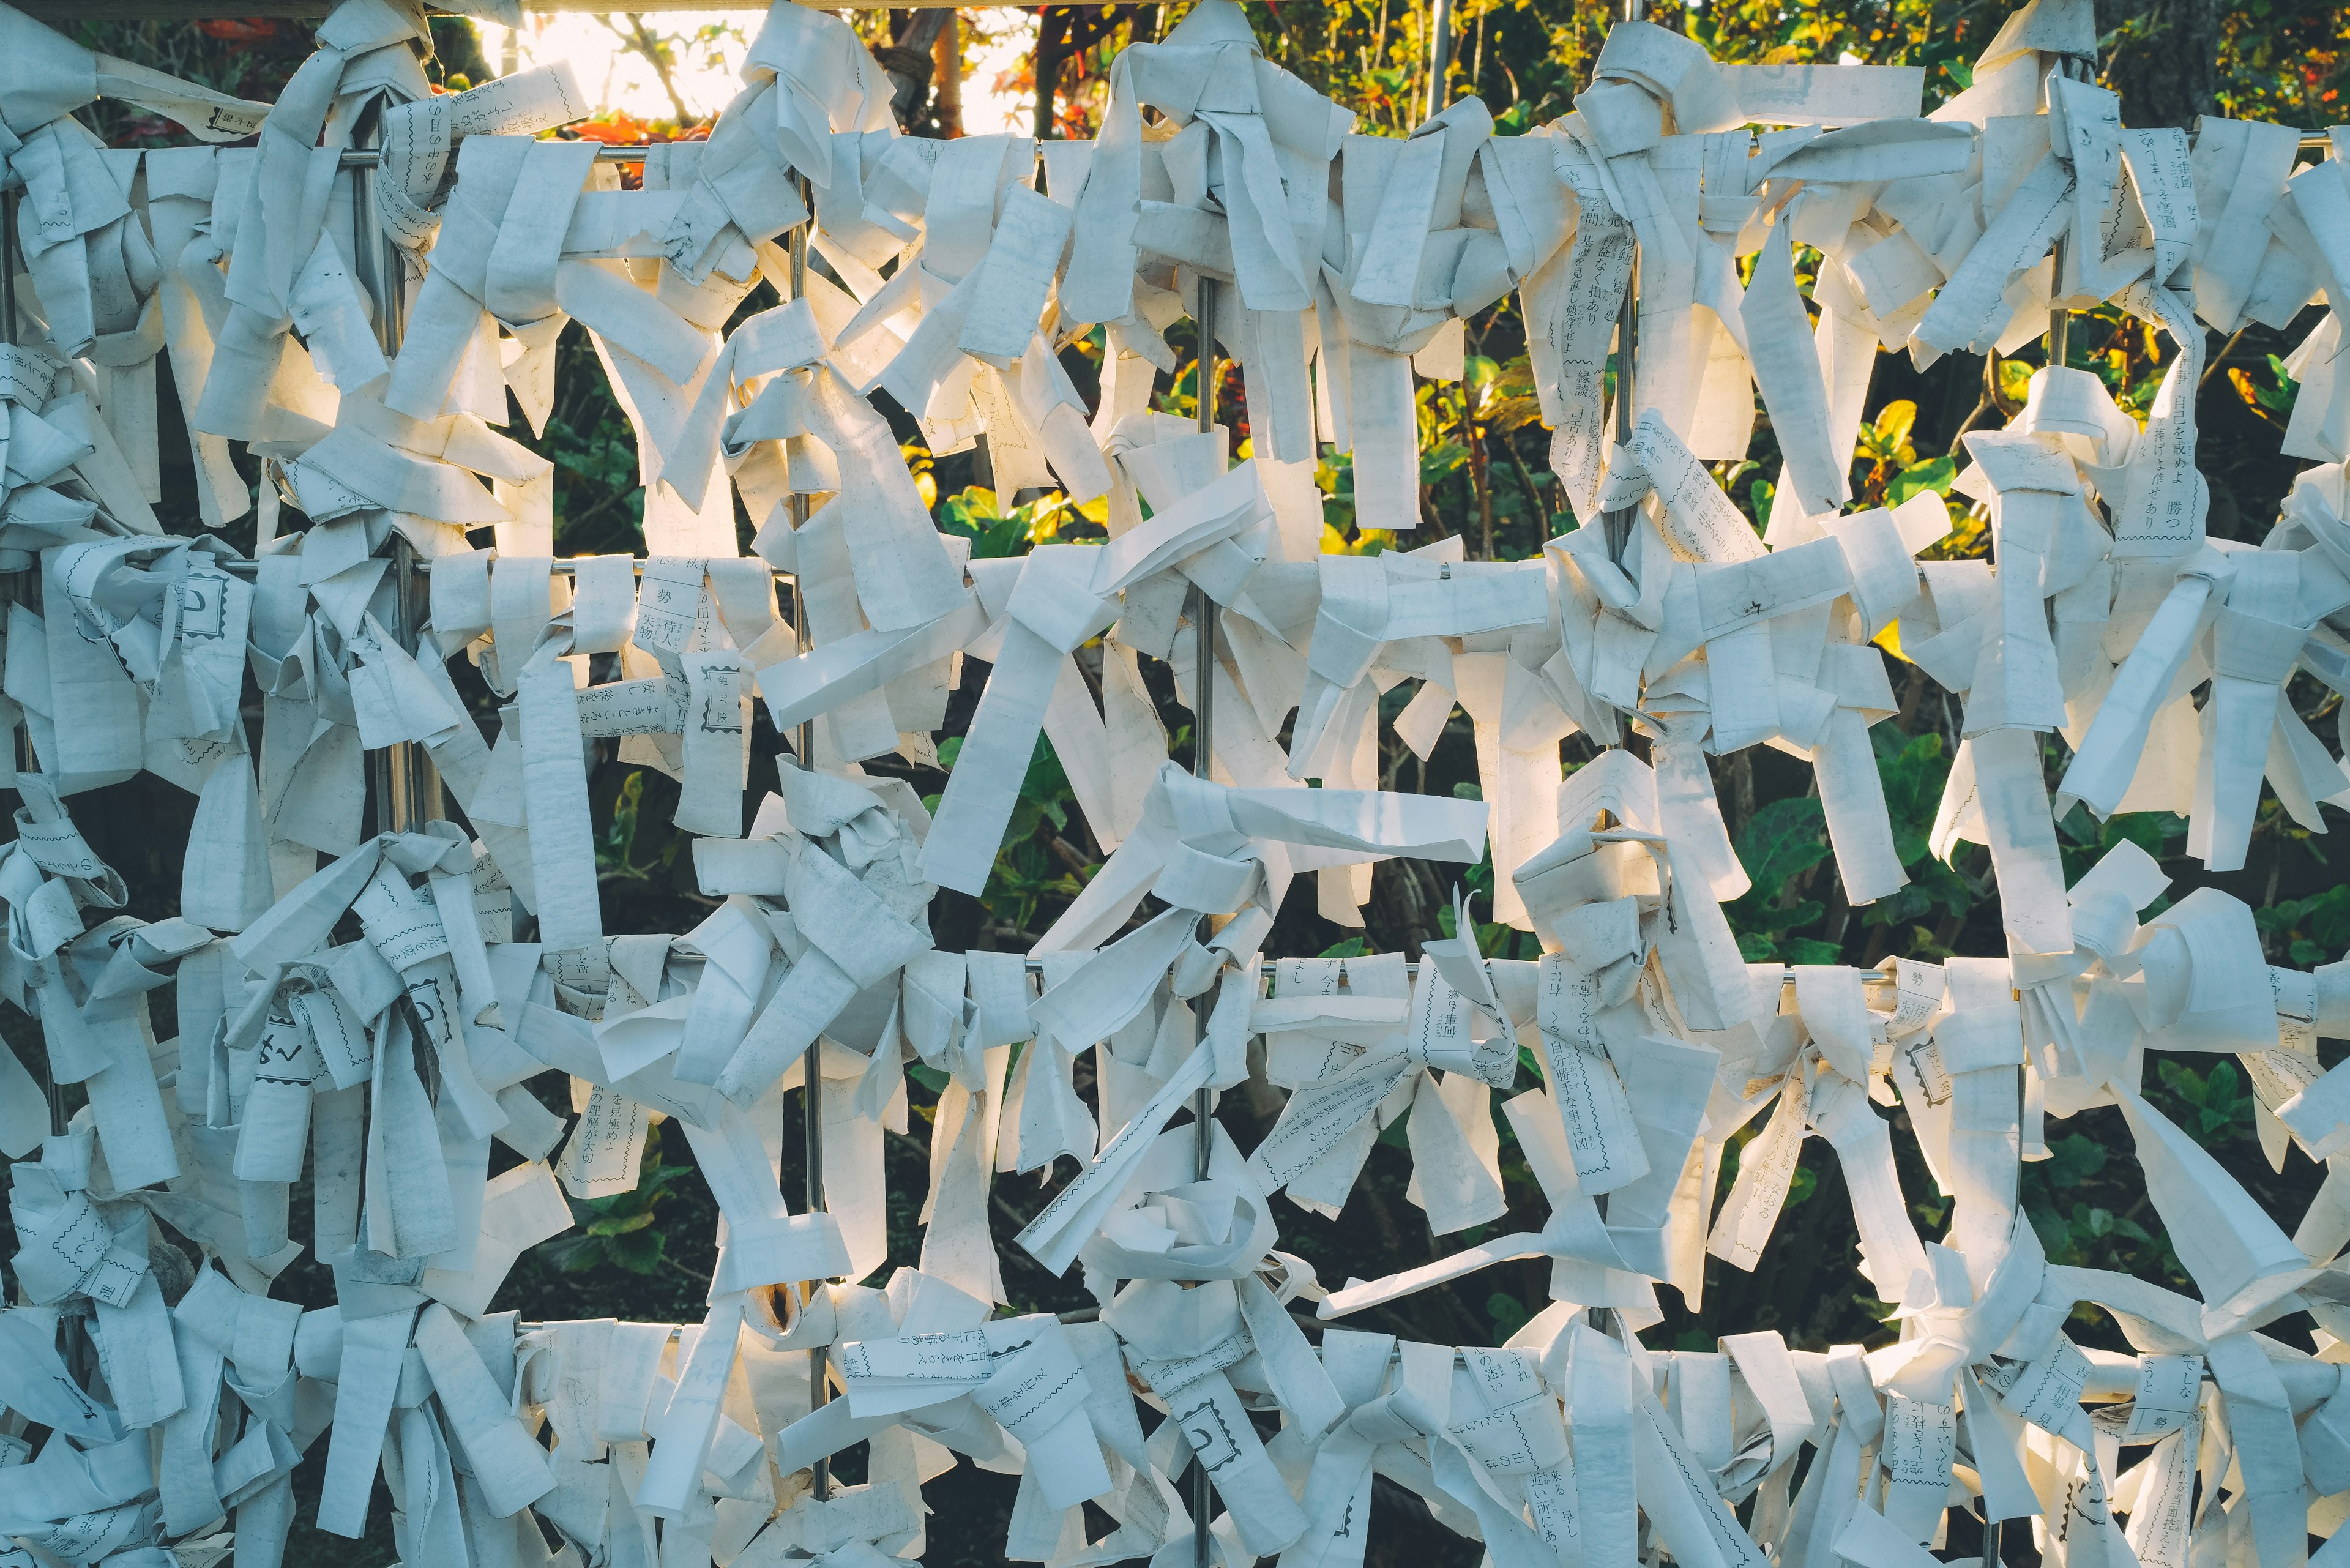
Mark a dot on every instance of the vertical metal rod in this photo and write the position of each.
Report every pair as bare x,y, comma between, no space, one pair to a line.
1618,522
1991,1527
2060,320
1440,56
812,1064
74,1341
1203,746
795,249
811,1120
17,582
8,264
407,786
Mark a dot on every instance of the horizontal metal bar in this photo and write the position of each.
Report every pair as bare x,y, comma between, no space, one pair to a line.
529,1326
238,565
369,157
1413,966
2108,1391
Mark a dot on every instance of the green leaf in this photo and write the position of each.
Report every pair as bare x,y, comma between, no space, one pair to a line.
1782,841
1440,462
572,1253
640,1251
1892,425
1469,789
1934,474
1396,1135
1353,947
1912,776
1933,888
1809,949
2074,1159
1046,781
2223,1081
2183,1081
616,1224
2054,1232
975,513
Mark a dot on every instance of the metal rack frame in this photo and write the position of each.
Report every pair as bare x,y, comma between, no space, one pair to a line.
407,788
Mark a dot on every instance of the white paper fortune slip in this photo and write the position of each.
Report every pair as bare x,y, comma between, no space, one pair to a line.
453,1026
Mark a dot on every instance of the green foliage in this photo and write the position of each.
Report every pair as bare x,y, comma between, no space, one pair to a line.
619,1231
1494,940
595,477
1782,842
2311,930
1934,474
638,846
973,513
1886,464
1942,37
2058,1195
2270,391
1911,769
1441,461
2216,1111
2083,840
1037,862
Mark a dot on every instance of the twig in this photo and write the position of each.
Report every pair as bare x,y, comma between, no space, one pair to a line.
1959,435
2221,358
639,39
